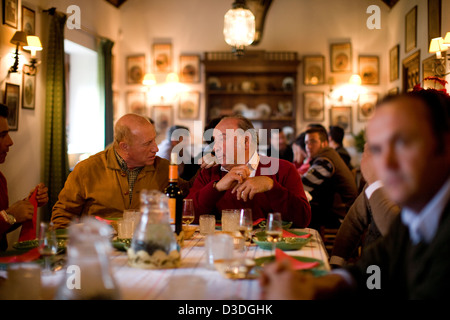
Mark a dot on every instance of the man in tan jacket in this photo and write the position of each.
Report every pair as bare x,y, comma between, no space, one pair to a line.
110,181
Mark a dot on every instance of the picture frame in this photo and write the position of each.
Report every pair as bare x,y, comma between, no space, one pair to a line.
12,100
313,70
136,103
162,57
163,118
28,91
28,21
394,63
10,11
342,117
189,105
369,69
434,19
411,71
190,68
313,106
393,91
429,67
411,30
135,69
366,105
341,57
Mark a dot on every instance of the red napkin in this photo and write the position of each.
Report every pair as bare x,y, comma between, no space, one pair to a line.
256,222
103,220
287,234
28,256
296,264
28,231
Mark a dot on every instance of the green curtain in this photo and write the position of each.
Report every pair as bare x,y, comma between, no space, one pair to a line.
105,83
56,164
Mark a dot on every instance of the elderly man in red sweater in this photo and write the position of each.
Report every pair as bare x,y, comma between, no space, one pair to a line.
245,179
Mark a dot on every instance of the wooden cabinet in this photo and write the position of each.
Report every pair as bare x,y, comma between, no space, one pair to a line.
260,85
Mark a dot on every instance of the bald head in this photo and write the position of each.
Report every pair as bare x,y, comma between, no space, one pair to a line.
134,140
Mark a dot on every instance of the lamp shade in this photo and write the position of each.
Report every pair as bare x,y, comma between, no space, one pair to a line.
172,78
239,26
33,44
149,79
437,45
19,38
355,80
447,39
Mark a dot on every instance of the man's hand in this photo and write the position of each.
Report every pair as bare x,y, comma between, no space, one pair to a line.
235,176
251,186
208,161
21,210
41,194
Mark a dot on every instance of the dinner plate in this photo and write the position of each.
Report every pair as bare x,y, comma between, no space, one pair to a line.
264,110
288,84
317,271
287,244
214,83
239,108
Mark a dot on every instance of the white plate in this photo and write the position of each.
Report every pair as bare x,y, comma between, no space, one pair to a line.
264,110
214,83
288,84
239,108
285,107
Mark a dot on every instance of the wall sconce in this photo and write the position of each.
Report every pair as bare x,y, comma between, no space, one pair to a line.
346,92
19,39
239,27
33,44
437,46
149,79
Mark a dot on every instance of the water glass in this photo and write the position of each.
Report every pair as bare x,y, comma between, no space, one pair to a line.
125,228
230,220
207,224
246,223
218,246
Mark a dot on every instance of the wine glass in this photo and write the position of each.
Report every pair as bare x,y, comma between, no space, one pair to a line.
246,224
48,245
188,212
274,229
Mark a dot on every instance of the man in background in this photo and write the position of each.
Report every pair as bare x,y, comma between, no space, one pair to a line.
335,141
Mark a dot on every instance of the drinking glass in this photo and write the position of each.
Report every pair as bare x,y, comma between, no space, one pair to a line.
207,224
246,224
230,220
48,245
274,229
188,211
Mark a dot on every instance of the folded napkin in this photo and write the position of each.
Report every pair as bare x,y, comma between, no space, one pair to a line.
256,222
28,231
296,264
287,234
103,220
28,256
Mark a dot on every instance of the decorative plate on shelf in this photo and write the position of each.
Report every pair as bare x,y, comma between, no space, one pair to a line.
214,83
285,107
264,110
239,108
288,84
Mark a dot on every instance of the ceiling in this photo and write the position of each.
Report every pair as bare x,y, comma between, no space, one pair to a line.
390,3
116,3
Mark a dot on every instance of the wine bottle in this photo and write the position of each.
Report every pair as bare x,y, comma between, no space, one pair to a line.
175,195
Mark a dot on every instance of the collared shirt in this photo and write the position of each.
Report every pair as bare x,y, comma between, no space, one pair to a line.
131,174
252,164
423,225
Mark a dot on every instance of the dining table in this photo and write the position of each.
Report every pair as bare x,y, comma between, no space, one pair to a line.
192,280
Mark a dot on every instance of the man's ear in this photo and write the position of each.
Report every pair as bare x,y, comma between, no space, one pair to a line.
123,146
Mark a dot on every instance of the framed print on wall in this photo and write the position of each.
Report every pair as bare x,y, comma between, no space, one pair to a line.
342,117
28,21
135,69
369,67
190,68
411,29
28,91
163,117
313,70
411,71
366,105
434,19
136,103
341,57
313,106
162,57
394,63
11,13
189,105
12,98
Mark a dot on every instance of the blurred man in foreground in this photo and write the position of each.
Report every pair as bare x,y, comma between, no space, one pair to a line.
409,138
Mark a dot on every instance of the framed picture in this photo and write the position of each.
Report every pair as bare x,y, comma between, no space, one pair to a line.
369,67
189,105
366,106
11,13
12,99
342,117
190,68
135,69
162,57
341,57
434,19
431,67
28,91
394,60
411,71
28,21
313,106
313,70
136,103
393,91
411,29
163,117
